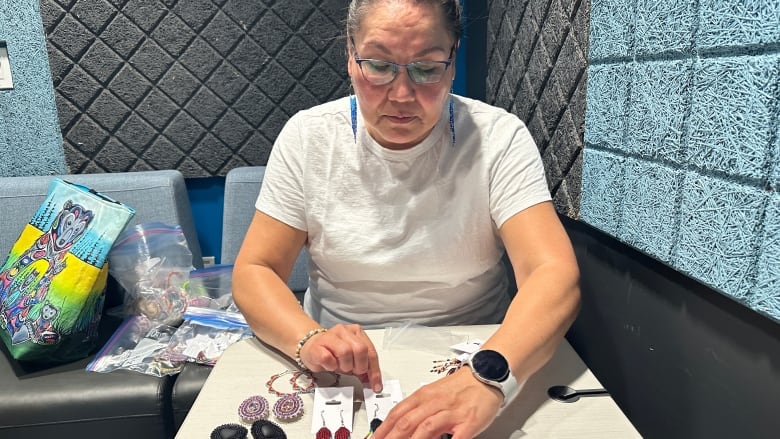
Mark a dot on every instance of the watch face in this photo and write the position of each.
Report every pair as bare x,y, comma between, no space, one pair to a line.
490,365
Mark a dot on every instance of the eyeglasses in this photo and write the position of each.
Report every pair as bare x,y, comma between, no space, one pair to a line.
379,72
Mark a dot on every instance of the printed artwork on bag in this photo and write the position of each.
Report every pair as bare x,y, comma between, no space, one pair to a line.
25,282
52,283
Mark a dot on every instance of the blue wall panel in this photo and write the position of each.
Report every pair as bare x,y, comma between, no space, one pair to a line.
719,233
660,93
611,29
764,297
607,101
649,216
665,26
734,23
30,136
733,115
684,95
603,185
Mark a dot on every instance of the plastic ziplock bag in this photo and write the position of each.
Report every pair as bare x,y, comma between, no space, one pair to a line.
420,338
205,334
152,261
136,345
211,287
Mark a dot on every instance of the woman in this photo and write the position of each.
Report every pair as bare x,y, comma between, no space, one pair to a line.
406,197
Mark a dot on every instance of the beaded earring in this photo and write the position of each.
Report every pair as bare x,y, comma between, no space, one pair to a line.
341,433
253,409
353,115
265,429
375,423
289,407
231,431
323,433
452,121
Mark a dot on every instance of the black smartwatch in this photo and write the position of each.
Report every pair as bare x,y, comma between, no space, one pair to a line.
491,368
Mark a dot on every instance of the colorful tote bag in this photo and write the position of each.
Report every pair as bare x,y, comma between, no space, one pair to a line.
52,285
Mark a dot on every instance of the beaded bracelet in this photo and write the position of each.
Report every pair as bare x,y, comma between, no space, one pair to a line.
302,342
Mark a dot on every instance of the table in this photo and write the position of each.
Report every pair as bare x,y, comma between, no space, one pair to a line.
245,366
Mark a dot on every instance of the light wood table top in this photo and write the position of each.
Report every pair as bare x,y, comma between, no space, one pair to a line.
245,367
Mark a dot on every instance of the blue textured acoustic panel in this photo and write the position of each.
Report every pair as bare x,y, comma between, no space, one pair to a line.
665,26
733,114
650,207
728,23
718,234
765,297
689,103
660,97
611,29
30,138
774,180
607,101
603,181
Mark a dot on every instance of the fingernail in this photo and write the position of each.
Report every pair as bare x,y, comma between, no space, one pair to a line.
377,389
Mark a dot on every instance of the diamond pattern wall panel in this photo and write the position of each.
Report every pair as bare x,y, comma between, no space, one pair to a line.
537,59
202,86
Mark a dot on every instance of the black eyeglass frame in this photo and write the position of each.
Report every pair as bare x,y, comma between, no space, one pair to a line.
397,67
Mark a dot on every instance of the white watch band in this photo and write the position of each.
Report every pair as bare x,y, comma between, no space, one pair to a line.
510,388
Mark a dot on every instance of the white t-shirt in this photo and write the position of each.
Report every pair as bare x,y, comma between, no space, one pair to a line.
403,236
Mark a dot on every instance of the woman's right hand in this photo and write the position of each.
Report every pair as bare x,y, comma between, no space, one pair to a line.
344,349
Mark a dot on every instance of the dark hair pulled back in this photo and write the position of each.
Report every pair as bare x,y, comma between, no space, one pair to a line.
450,8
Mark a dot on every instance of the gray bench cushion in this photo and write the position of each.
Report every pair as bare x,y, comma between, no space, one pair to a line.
242,186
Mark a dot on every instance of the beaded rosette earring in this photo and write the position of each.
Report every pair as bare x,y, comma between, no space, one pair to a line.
289,406
253,409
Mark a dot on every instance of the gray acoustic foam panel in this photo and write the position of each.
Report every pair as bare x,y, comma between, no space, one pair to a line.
537,60
202,86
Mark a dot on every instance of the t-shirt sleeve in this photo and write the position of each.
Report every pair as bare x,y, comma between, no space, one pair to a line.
517,178
281,194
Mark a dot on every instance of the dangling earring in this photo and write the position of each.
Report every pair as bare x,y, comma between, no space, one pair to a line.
452,120
323,433
353,114
342,432
376,422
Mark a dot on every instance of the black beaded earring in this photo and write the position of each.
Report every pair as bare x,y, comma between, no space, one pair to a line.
376,422
229,431
265,429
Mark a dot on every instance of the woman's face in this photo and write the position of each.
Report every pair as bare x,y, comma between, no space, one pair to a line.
401,114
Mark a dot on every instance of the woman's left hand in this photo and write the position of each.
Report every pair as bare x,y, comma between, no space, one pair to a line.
458,404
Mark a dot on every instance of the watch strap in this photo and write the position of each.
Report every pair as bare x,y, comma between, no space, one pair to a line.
509,386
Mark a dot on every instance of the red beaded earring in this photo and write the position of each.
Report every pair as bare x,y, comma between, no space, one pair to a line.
341,433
